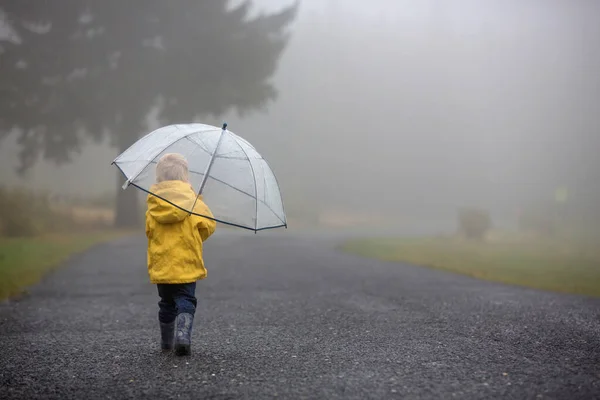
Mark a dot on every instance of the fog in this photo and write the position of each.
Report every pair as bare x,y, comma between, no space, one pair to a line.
411,109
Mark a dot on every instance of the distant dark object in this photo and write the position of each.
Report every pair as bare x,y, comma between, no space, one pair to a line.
539,221
99,68
474,223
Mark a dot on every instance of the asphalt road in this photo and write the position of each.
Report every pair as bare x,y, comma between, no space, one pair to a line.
287,316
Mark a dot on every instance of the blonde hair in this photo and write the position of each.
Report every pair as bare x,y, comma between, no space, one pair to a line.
172,167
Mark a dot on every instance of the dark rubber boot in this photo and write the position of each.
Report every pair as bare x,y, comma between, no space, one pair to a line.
167,333
183,334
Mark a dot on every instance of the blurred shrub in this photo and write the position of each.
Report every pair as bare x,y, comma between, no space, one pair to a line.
474,223
106,200
90,217
24,213
539,221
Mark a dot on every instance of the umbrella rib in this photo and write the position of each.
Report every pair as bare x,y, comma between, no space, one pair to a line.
196,143
206,216
226,184
246,193
230,186
236,158
210,164
129,181
153,161
284,221
255,189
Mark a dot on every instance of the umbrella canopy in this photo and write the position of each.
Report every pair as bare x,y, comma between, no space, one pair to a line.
234,180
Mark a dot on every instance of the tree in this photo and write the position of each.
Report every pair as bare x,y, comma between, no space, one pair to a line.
474,223
79,68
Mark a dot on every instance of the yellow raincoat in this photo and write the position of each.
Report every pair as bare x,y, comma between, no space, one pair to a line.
174,236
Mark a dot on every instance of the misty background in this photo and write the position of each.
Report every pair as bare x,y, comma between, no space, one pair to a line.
411,109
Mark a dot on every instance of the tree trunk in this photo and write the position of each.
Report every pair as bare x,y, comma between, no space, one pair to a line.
127,212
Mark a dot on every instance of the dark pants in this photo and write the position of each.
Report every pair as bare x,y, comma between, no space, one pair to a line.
176,299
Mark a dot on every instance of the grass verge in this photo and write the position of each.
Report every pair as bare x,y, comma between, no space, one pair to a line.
559,267
24,261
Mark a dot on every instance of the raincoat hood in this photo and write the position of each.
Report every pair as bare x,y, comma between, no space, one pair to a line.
176,192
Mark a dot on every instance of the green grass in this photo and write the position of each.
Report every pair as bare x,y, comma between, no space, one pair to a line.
560,267
24,261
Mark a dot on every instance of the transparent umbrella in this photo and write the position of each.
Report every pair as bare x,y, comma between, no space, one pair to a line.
234,180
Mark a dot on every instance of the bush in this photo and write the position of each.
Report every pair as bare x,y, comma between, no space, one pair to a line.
105,200
474,223
538,221
16,213
24,213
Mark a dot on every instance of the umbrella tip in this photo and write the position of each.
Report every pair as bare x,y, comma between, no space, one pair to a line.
224,125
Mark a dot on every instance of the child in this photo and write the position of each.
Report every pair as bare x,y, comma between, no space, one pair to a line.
175,239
